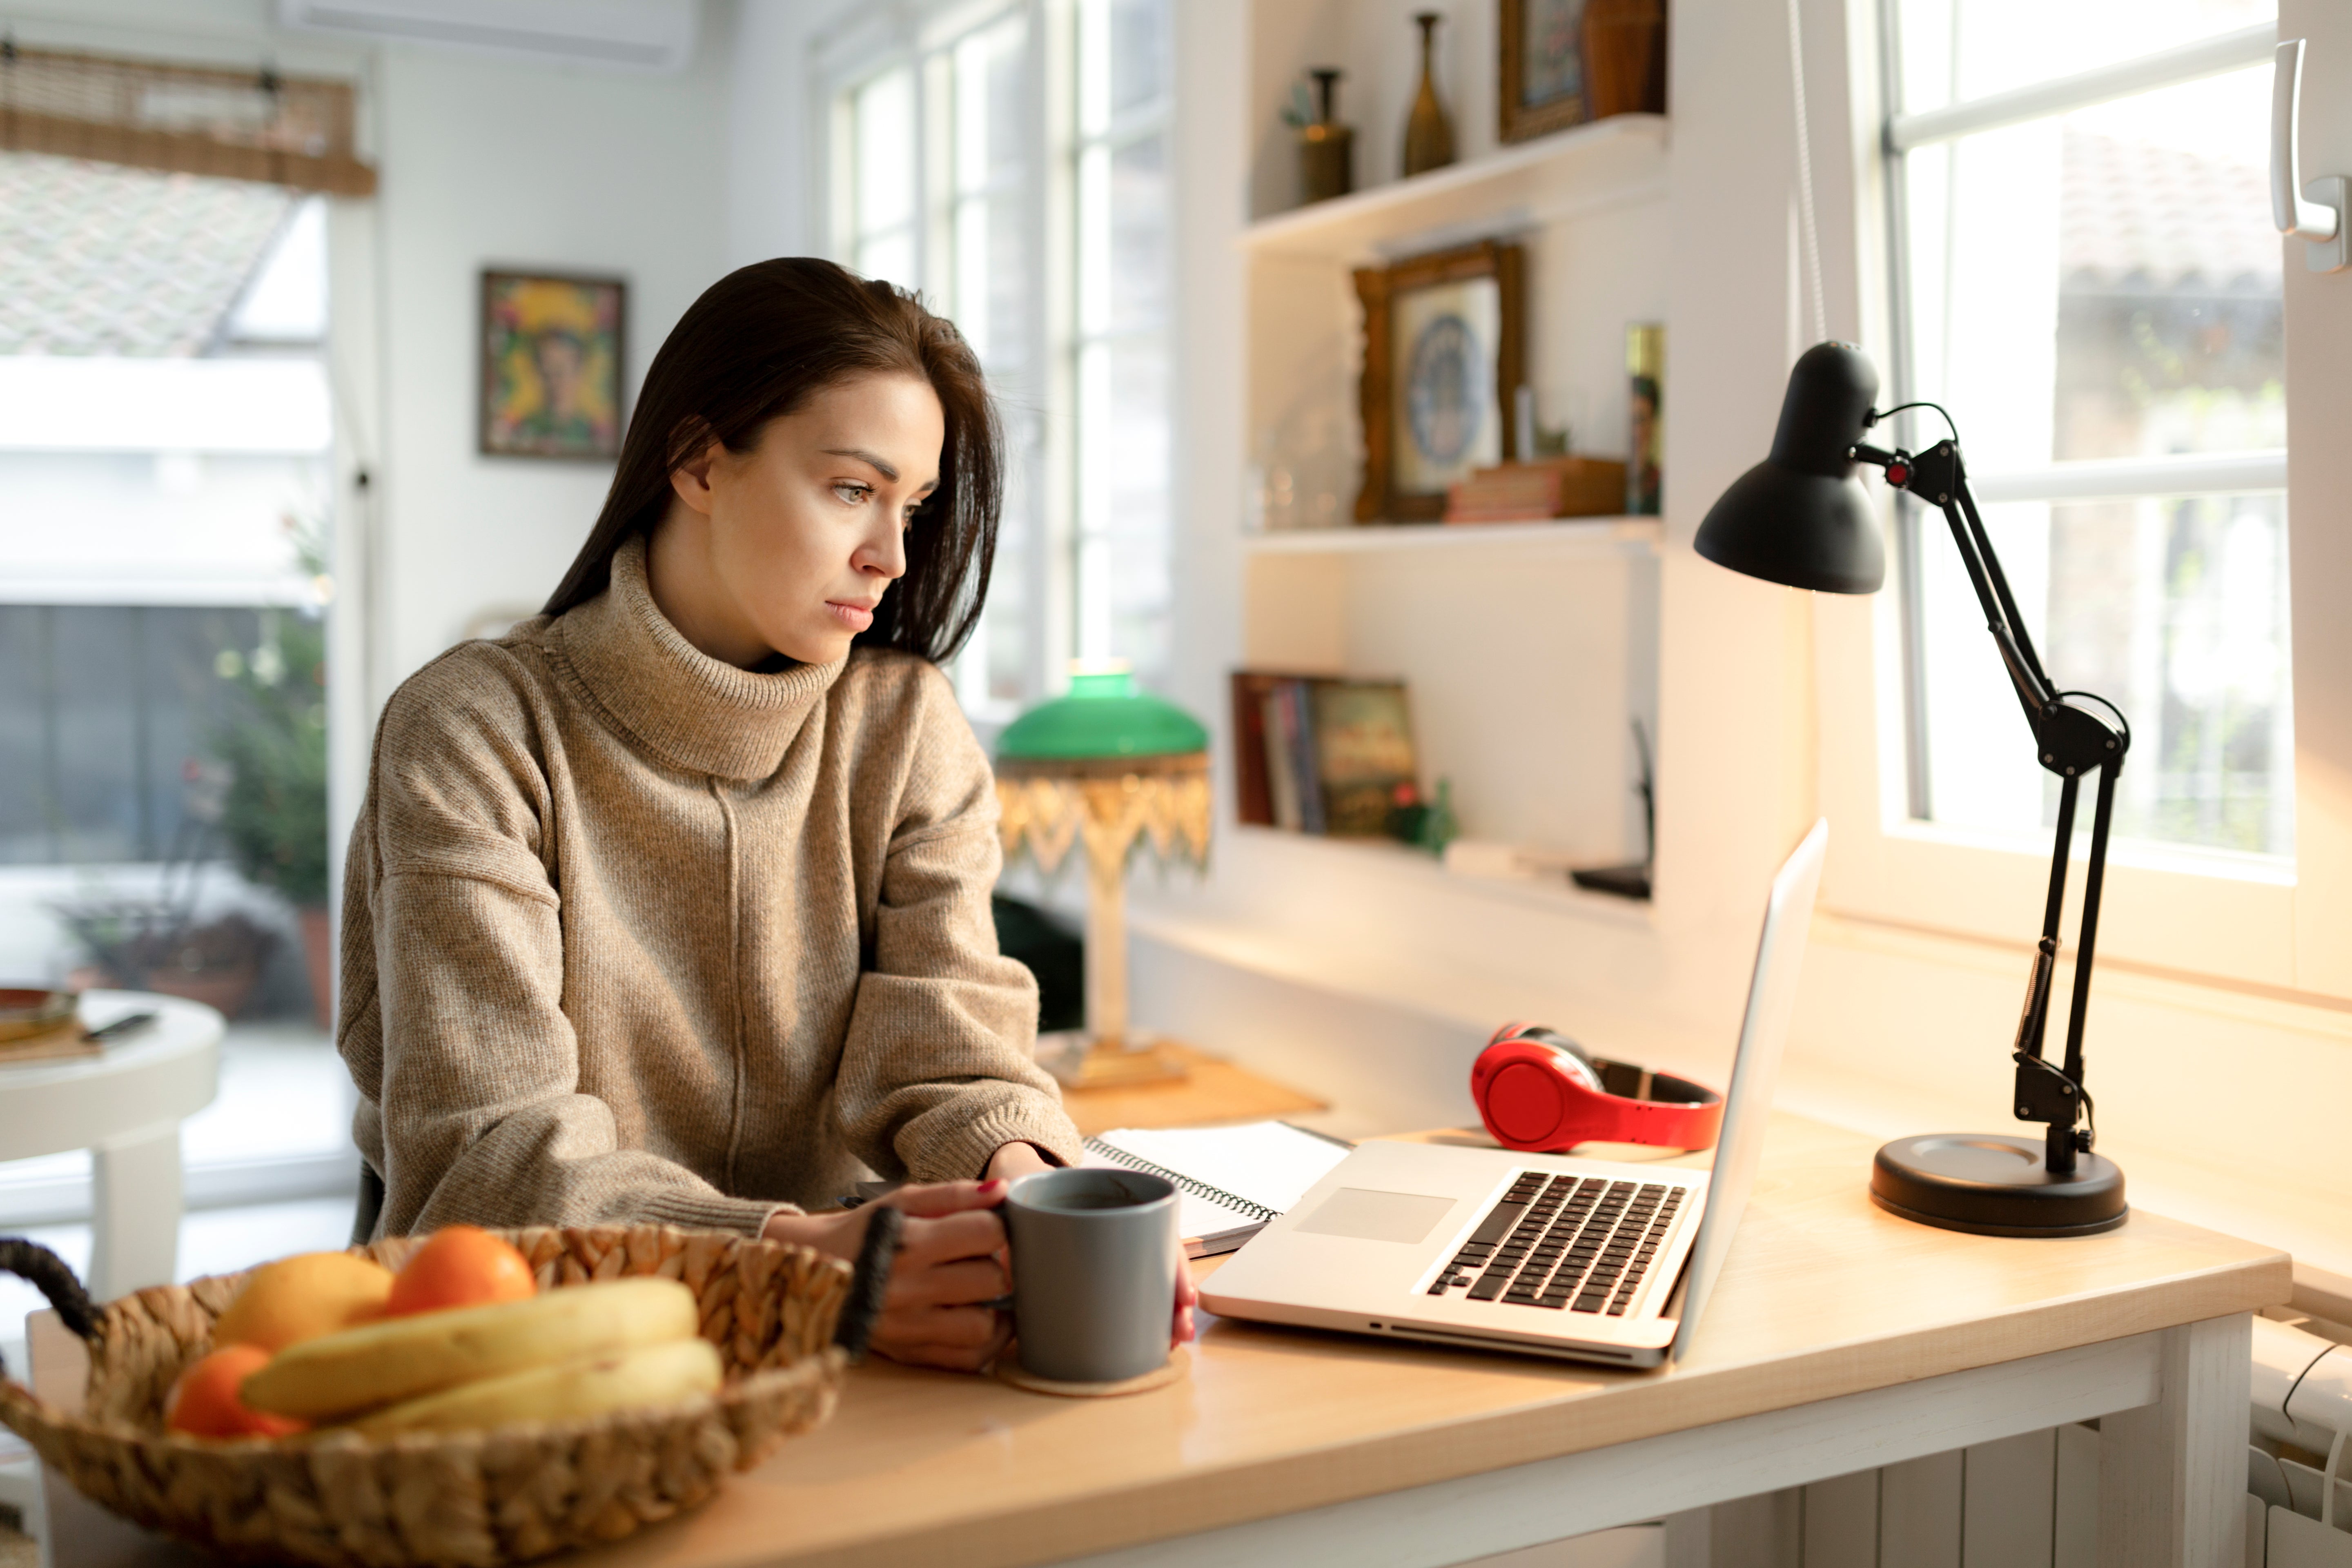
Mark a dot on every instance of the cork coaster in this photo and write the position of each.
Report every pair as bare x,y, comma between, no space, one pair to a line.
1178,1367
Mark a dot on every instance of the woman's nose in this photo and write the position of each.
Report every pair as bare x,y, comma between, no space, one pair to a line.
885,555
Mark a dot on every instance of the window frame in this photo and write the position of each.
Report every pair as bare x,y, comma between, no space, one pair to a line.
1045,420
2177,908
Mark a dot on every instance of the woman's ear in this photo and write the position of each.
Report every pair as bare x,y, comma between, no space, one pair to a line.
690,480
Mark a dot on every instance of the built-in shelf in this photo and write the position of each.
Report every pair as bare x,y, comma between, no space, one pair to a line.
1576,535
1588,166
1415,874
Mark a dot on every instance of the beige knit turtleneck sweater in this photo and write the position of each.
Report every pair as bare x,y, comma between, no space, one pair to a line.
630,934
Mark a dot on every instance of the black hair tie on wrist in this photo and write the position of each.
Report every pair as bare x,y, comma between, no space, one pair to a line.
871,1282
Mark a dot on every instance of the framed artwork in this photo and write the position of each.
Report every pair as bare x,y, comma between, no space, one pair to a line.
1443,362
1542,87
551,372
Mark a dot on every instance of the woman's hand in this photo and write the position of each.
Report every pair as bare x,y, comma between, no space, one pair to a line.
1017,1159
950,1264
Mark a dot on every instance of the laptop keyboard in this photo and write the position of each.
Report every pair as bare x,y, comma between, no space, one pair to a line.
1574,1243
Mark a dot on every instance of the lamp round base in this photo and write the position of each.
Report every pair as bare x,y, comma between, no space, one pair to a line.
1991,1183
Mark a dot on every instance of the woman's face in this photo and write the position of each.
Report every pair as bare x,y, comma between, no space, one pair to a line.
788,548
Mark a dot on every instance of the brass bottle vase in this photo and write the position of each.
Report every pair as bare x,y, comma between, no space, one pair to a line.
1428,134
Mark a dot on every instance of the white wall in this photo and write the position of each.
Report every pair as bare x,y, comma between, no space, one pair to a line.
776,105
1374,985
490,163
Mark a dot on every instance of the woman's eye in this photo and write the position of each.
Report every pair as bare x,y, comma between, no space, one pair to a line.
851,491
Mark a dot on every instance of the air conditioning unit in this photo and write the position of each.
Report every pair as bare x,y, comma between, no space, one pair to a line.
623,35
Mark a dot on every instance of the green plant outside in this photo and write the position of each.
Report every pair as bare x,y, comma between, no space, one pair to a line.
274,818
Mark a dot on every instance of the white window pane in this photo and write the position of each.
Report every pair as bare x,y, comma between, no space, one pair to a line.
1139,235
992,300
2175,610
1957,49
1138,54
884,128
1002,665
1094,72
2104,284
992,89
1094,223
891,257
287,301
1132,441
1095,489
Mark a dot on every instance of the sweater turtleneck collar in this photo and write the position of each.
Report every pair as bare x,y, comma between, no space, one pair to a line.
690,709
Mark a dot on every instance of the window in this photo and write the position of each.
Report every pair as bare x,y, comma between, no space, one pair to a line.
2086,276
1039,224
164,426
1122,339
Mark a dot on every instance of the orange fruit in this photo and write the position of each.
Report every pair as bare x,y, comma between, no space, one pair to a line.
297,1299
460,1265
203,1401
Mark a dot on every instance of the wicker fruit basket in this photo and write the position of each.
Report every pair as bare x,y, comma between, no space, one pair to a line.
787,1321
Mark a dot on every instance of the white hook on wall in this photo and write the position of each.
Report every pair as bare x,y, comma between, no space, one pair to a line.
2314,212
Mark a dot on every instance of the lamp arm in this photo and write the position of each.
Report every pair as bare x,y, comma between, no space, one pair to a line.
1938,477
2071,740
2015,622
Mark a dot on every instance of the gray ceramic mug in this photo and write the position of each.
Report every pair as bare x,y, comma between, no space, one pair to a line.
1094,1272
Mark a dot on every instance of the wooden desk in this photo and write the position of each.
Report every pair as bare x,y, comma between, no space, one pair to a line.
1839,1338
1217,1090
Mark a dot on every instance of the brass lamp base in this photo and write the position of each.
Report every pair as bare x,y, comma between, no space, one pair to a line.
1080,1061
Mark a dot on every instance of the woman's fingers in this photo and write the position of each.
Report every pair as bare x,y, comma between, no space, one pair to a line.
975,1233
959,1284
963,1339
933,1199
1188,1297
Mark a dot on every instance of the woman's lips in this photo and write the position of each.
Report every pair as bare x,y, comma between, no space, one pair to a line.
856,617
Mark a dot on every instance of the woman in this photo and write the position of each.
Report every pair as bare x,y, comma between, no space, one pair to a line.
673,903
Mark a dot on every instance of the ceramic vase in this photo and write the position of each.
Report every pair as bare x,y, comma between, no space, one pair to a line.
1429,133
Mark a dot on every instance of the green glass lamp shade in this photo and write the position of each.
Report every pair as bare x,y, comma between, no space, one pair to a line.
1102,716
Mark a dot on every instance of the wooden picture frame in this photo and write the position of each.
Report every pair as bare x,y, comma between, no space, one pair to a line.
548,382
1541,85
1410,486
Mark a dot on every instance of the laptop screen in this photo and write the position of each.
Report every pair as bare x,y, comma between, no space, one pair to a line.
1748,1104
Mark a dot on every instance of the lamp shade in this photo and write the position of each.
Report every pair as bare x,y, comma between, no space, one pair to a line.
1799,516
1102,716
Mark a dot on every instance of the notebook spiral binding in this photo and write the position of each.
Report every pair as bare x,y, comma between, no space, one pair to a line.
1183,1183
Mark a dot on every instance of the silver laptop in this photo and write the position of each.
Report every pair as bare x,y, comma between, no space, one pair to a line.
1546,1254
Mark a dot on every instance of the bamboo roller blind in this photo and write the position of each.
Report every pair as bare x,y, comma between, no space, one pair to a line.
186,120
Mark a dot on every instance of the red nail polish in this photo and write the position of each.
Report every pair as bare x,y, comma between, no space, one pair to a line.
994,1187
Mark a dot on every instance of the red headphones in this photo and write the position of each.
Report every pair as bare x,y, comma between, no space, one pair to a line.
1541,1092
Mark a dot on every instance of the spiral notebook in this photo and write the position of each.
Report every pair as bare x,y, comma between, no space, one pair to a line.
1230,1181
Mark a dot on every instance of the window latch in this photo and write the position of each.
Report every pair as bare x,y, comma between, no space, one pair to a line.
2313,212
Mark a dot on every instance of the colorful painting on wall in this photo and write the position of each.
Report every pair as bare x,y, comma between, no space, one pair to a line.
1542,58
551,365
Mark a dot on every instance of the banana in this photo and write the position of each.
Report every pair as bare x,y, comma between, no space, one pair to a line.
339,1375
588,1386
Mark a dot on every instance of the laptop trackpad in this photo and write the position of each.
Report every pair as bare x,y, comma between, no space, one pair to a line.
1368,1215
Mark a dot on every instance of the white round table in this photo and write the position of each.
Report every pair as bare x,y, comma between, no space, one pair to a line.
125,1106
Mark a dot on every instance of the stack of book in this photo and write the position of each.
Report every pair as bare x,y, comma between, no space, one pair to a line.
1529,493
1316,754
40,1025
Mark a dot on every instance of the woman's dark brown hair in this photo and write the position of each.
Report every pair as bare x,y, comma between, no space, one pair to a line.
757,344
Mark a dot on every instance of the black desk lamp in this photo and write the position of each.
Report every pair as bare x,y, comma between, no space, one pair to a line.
1801,518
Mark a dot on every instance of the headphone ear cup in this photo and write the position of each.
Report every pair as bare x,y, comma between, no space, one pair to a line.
1574,1059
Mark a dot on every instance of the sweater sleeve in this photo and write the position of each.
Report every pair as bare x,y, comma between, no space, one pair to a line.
479,1109
936,1074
